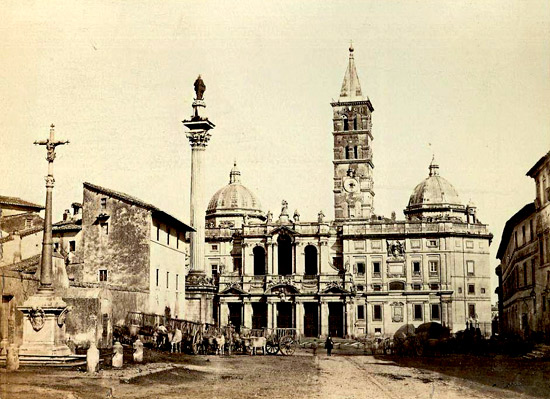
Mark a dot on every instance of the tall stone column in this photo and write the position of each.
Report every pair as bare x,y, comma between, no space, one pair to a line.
324,318
300,318
270,314
199,290
269,258
247,319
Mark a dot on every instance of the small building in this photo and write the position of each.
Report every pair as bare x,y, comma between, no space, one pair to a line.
116,254
524,269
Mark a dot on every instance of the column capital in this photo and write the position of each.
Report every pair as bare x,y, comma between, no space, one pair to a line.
198,139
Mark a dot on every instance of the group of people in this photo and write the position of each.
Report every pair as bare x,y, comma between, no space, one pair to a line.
329,344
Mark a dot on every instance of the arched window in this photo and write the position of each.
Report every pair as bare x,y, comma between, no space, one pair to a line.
356,152
347,152
346,126
355,123
397,286
259,261
284,253
311,260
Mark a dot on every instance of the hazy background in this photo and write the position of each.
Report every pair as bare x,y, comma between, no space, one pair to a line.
468,80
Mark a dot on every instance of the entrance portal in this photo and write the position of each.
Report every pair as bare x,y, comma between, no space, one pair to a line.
311,319
336,319
235,315
285,315
259,315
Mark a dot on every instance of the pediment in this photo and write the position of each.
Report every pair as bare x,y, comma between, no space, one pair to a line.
233,290
281,230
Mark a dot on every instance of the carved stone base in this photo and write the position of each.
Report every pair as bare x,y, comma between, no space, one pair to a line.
44,325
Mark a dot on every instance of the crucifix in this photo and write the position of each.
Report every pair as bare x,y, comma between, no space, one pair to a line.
47,243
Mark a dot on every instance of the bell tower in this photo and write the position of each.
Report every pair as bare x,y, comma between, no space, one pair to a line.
353,182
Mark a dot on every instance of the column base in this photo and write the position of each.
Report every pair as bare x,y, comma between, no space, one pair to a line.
44,325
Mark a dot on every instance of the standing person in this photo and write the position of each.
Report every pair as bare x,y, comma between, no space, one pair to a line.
314,346
328,345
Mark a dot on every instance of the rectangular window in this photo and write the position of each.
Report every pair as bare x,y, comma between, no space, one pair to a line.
157,278
214,271
168,236
469,244
472,310
360,312
470,267
377,287
105,228
158,232
214,247
434,267
360,268
434,286
417,287
417,310
471,289
432,243
416,267
377,312
167,279
103,203
435,311
376,267
483,290
103,275
72,246
523,236
531,232
360,288
460,290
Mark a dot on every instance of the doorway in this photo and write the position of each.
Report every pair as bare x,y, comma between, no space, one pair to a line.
311,319
235,315
285,315
336,319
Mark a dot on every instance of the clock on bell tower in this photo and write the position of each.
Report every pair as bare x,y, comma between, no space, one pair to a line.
353,183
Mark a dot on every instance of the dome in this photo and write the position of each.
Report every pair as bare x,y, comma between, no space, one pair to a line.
234,199
434,194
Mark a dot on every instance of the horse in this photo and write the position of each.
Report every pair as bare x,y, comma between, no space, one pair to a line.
255,343
220,344
176,340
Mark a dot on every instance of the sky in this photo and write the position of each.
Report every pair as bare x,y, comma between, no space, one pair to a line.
467,81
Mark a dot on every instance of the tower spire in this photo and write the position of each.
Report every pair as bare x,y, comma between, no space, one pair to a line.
351,88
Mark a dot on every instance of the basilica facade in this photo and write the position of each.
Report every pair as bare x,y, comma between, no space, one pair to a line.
361,273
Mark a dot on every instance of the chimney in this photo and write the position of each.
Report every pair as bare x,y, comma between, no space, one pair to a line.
76,208
66,215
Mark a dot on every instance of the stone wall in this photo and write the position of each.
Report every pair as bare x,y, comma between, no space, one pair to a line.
117,241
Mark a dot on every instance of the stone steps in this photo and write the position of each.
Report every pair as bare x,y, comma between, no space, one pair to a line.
48,361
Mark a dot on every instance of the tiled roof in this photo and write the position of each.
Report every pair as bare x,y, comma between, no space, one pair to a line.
136,201
519,216
67,225
28,265
15,201
532,171
32,230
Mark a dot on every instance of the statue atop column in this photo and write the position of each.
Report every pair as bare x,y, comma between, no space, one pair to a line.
200,88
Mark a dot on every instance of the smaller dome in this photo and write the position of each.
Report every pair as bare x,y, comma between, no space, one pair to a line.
433,194
234,199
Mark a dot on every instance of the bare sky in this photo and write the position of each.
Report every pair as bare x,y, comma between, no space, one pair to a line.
468,80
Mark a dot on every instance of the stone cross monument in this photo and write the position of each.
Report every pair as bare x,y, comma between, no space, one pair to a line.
198,286
45,313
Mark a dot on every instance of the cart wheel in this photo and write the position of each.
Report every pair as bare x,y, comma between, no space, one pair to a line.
287,345
271,348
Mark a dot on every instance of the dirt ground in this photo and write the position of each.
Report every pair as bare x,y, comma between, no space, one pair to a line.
298,376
